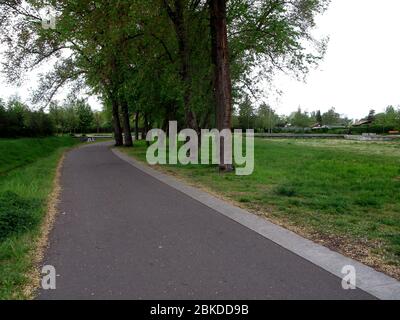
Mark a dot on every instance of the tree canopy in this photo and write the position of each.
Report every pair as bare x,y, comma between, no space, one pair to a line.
160,60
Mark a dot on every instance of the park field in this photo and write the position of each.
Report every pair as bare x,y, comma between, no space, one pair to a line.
27,171
342,194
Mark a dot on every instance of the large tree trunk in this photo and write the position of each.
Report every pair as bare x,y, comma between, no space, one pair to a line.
128,142
222,76
178,19
146,128
170,115
117,124
145,125
137,126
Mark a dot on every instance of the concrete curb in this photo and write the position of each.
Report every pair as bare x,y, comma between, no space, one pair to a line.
371,281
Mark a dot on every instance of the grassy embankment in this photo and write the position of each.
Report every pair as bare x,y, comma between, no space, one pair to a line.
343,194
27,171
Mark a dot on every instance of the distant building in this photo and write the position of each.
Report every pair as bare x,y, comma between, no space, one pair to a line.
362,122
318,126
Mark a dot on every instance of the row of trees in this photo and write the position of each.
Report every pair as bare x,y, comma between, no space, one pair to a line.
265,119
76,116
161,60
17,119
389,119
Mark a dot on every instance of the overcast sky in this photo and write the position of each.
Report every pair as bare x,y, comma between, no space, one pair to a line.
360,71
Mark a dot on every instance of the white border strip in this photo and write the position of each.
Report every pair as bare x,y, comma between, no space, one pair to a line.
369,280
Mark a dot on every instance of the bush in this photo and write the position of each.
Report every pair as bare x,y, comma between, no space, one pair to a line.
286,191
17,120
372,129
17,214
39,124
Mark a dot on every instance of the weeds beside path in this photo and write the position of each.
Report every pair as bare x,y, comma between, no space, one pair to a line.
27,171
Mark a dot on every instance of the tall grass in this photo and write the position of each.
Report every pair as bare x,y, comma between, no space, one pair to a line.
27,169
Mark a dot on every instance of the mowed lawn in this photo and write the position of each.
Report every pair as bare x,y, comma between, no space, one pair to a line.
345,194
27,170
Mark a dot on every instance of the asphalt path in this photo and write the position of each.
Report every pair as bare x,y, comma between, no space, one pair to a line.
122,234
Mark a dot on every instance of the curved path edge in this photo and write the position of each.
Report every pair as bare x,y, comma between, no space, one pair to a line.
369,280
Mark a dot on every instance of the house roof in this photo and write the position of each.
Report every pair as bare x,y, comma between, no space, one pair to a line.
362,122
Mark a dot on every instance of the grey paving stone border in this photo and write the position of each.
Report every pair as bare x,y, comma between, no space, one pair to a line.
371,281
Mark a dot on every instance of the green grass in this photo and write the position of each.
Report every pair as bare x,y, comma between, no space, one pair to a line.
27,169
344,189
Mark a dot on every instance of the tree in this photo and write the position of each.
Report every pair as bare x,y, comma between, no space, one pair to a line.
222,73
38,123
84,115
318,117
389,119
371,116
161,60
57,115
266,118
179,18
17,119
300,119
71,119
246,114
97,119
16,114
331,117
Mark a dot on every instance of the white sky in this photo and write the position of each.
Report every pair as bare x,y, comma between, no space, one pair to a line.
360,71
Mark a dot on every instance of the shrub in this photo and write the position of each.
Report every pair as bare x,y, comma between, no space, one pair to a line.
372,129
286,191
17,120
39,124
244,200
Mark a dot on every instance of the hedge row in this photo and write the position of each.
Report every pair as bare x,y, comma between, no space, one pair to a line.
24,123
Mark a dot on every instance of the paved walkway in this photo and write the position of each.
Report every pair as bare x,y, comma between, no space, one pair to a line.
122,234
